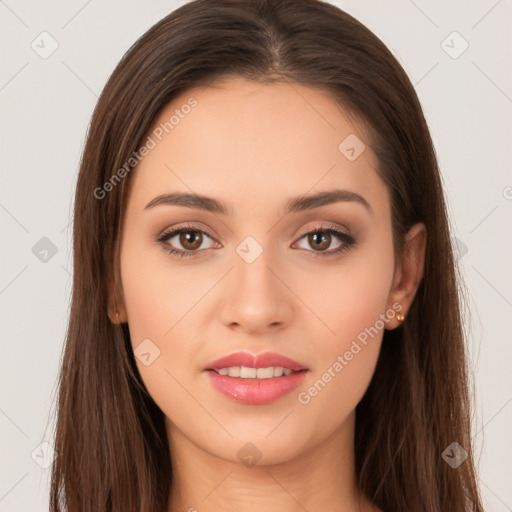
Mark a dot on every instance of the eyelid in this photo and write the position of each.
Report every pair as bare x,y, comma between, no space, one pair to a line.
324,225
176,229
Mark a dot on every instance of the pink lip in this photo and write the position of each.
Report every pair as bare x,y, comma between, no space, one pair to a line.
255,361
256,391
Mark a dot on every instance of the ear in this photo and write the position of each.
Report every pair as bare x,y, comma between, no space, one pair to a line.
409,272
116,306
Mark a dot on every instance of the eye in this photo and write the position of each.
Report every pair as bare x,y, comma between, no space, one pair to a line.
322,237
190,238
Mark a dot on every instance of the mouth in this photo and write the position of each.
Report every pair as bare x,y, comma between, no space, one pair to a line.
255,380
244,372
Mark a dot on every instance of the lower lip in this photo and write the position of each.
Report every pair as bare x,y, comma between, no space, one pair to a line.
256,391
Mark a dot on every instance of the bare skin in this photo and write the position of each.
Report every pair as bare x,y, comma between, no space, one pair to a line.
254,147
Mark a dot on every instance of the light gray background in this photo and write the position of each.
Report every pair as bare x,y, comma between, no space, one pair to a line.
46,106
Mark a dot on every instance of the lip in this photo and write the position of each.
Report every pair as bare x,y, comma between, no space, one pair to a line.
248,360
256,391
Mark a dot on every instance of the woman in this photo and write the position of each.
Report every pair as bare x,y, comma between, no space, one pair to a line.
265,308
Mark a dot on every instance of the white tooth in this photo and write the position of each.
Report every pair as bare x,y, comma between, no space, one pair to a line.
265,373
234,371
278,371
247,373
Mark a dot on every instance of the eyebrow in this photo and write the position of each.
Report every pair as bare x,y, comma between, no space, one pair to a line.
293,205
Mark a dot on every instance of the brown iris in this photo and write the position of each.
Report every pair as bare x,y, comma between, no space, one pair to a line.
191,239
319,240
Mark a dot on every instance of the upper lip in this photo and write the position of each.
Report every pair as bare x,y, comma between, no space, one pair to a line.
264,360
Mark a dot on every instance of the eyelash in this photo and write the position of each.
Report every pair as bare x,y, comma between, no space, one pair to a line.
348,242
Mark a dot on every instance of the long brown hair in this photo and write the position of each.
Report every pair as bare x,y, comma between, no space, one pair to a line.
111,448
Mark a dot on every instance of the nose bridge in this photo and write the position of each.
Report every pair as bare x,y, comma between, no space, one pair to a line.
256,298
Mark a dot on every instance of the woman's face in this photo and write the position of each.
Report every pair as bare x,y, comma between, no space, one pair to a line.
262,274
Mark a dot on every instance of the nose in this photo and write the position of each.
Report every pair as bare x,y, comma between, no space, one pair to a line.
256,298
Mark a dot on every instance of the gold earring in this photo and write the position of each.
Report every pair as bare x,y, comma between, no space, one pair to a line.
400,317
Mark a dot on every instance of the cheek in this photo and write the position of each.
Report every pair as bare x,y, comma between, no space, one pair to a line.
350,295
157,293
351,300
145,299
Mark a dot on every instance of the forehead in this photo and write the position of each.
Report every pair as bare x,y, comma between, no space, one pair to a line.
251,142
